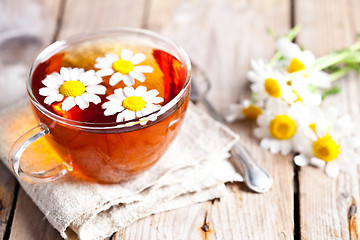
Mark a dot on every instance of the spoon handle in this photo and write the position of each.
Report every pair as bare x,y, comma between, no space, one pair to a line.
255,177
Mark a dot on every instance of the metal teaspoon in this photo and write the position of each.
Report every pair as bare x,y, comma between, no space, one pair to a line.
255,177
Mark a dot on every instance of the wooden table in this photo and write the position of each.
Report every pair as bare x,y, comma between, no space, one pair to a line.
221,37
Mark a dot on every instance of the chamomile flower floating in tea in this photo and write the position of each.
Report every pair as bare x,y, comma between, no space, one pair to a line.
123,68
72,86
268,83
132,103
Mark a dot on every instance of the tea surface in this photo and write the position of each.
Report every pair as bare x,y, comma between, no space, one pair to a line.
168,74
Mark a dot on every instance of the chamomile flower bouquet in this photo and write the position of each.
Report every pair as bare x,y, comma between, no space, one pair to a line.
286,102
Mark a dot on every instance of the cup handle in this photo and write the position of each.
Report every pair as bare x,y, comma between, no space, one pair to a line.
18,149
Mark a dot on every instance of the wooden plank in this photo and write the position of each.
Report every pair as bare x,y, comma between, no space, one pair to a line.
23,51
221,38
30,223
83,16
325,203
7,193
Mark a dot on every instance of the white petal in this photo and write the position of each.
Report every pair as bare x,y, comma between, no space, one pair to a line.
76,73
137,75
332,169
353,142
152,107
112,57
275,146
287,48
140,91
52,83
145,111
114,79
65,73
90,79
307,58
128,80
317,162
129,91
68,104
138,114
104,72
91,97
113,109
48,91
285,147
126,54
97,89
252,76
143,69
263,120
233,114
120,117
321,127
301,160
119,93
103,62
138,58
321,79
150,95
129,115
114,100
81,102
265,143
103,65
157,100
55,76
53,98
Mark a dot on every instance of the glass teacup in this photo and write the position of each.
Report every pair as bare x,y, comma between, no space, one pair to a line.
109,104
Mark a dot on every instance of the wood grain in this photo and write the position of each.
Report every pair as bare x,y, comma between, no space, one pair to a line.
325,202
29,222
83,16
7,193
26,214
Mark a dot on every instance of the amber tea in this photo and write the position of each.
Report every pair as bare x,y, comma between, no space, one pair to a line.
112,104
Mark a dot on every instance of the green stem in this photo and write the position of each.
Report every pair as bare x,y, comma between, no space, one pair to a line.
340,73
290,35
355,46
326,62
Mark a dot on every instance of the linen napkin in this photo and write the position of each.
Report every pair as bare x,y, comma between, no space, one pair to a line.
194,169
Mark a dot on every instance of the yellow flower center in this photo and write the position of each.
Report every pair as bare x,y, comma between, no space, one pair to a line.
272,87
251,112
326,149
134,103
282,127
123,66
72,88
295,65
